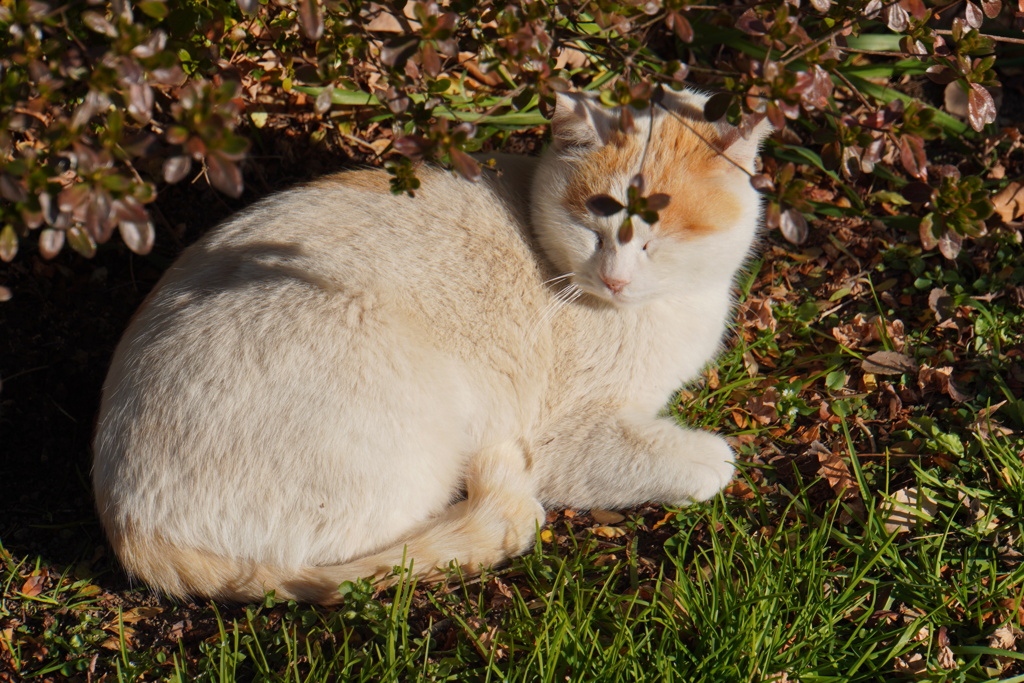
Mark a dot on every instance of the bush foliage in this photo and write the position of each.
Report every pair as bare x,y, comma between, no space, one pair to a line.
104,103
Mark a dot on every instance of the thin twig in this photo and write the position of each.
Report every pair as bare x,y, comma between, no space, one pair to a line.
998,39
707,142
828,36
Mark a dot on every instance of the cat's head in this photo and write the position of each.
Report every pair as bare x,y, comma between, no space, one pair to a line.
708,212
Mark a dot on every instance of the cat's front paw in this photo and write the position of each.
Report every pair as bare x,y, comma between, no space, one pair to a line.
711,468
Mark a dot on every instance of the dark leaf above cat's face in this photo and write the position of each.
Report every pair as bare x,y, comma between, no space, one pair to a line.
604,205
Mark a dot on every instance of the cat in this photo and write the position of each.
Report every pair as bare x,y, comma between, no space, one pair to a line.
339,381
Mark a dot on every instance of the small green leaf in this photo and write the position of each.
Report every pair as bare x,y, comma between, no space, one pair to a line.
835,380
8,243
81,241
154,8
888,197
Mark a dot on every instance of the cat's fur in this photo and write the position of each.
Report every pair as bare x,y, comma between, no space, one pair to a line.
310,387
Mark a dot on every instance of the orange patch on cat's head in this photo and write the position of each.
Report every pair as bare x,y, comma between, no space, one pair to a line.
684,161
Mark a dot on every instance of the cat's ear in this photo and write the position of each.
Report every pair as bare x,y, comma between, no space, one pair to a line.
741,144
581,121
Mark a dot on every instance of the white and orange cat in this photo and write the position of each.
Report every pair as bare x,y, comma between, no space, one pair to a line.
311,389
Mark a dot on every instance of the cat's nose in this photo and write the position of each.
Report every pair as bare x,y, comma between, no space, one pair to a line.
614,284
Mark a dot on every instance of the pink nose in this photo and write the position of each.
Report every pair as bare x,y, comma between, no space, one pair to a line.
615,285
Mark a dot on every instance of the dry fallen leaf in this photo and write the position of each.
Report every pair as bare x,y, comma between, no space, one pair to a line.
940,381
1003,638
1009,202
609,531
758,313
836,472
834,469
947,660
862,331
986,427
607,516
906,509
888,363
762,408
139,613
664,520
912,664
33,586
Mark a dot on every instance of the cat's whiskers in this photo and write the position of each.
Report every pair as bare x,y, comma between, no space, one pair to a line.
557,278
563,297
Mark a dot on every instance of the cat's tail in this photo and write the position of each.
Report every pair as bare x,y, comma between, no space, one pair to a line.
498,520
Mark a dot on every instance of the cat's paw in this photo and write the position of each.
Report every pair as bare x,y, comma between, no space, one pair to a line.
711,468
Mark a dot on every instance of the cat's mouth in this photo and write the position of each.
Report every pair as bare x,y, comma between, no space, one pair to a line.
617,296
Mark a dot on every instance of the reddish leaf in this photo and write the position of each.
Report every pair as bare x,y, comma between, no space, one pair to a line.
128,208
793,226
430,60
5,294
913,157
717,106
749,22
73,196
396,51
822,6
50,242
991,8
12,190
99,23
8,244
772,215
926,233
917,192
776,117
138,236
831,156
248,6
311,19
939,74
896,18
973,15
224,175
949,244
658,201
465,165
396,100
49,207
981,108
680,25
140,102
176,168
323,101
33,585
98,218
603,205
915,8
762,182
